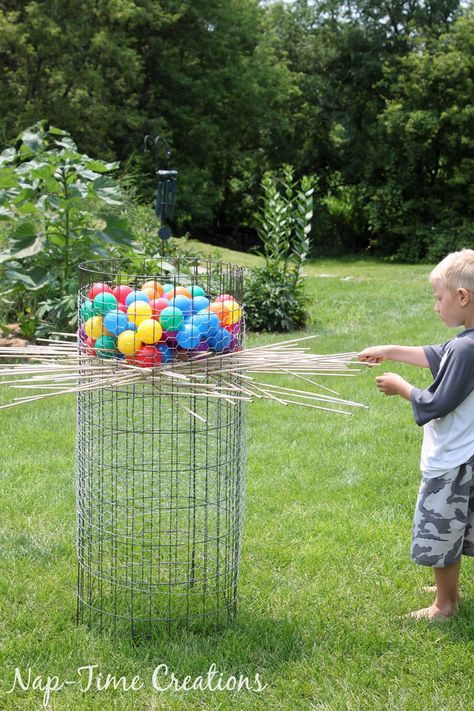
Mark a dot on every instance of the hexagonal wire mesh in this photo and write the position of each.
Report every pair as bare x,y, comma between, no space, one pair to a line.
160,490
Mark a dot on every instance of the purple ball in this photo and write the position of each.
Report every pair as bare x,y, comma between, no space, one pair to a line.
81,332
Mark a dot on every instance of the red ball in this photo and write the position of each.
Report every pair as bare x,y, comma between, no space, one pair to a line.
98,288
157,306
223,297
121,307
146,357
89,346
121,292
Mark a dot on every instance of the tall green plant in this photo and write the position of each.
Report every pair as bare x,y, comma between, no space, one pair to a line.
60,207
273,298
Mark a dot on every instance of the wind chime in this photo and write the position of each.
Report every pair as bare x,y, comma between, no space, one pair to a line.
165,186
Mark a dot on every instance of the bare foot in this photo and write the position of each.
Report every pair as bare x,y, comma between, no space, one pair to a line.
432,614
432,589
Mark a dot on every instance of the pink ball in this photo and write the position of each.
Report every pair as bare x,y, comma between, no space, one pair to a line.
98,288
121,292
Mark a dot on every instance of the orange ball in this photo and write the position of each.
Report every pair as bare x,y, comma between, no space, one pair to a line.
156,286
179,290
235,312
149,291
221,310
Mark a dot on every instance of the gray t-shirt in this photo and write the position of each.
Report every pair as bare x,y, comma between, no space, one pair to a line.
446,407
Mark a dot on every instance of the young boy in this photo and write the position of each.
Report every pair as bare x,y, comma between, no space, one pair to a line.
443,526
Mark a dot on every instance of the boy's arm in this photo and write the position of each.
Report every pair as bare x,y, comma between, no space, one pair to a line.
412,355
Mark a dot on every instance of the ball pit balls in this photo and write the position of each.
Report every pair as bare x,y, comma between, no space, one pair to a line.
197,290
235,312
220,309
105,346
98,288
121,292
136,296
223,297
89,346
103,303
166,353
149,331
198,303
128,343
115,322
179,291
86,310
183,303
149,291
138,311
146,357
156,286
207,321
167,287
94,327
171,318
220,341
188,336
157,306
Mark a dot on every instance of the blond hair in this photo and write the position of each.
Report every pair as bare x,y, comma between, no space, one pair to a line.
456,270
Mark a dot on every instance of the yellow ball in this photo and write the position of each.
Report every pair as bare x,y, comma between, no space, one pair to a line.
149,331
128,343
94,327
235,312
138,311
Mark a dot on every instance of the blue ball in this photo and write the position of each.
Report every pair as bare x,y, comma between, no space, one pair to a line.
182,303
115,322
199,303
220,341
188,336
136,296
208,322
166,353
131,326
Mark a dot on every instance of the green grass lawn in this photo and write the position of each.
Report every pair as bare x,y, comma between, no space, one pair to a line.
325,567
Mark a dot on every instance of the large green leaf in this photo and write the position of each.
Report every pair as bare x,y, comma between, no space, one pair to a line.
116,230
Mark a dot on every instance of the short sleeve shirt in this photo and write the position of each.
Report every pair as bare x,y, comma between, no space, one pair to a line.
445,409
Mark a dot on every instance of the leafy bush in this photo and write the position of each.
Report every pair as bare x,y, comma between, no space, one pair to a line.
273,294
59,208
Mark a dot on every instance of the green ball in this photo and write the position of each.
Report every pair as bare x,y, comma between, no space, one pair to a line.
167,287
103,303
87,310
105,347
196,290
171,318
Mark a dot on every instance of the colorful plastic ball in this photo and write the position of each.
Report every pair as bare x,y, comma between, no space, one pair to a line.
183,304
196,291
89,346
220,341
115,322
138,311
220,309
122,307
128,343
199,303
94,327
131,326
121,292
166,353
105,347
86,310
234,328
147,357
149,291
81,333
234,344
179,291
149,331
171,318
207,321
157,306
156,286
98,288
103,303
202,346
136,296
167,287
188,336
235,312
223,297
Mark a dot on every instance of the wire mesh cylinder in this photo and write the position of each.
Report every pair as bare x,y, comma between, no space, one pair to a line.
160,472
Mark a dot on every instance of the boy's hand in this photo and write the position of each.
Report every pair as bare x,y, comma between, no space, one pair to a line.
374,354
393,384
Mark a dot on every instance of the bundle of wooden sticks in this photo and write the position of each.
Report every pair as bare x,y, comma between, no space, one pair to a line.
58,368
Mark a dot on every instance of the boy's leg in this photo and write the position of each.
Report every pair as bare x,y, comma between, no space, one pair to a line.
447,594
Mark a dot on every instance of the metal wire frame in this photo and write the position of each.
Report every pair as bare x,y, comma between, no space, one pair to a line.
160,492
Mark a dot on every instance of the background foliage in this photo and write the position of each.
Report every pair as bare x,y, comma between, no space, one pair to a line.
375,98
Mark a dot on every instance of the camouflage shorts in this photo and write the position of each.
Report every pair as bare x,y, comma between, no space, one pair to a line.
443,525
